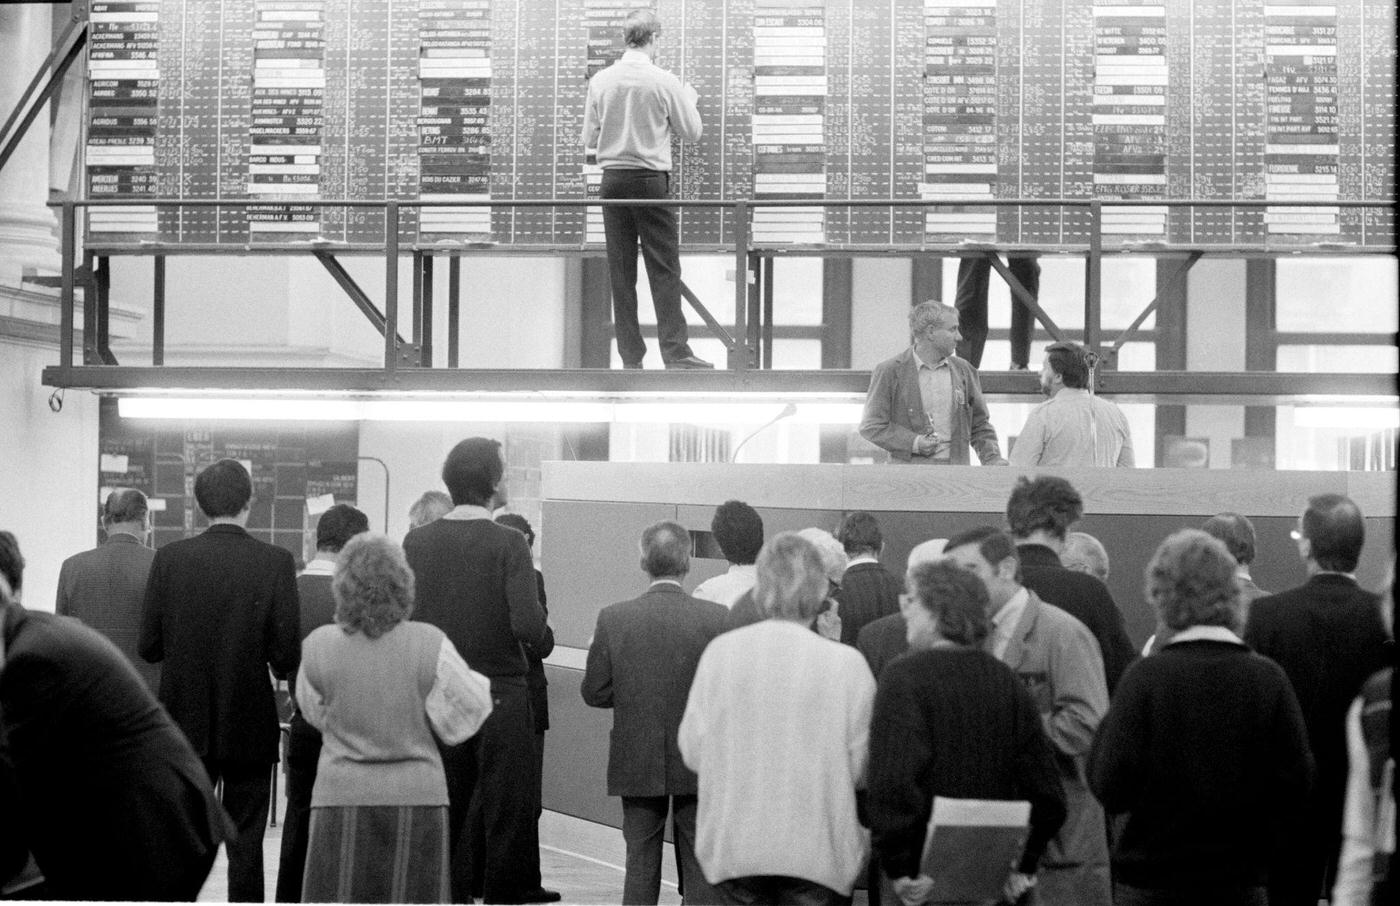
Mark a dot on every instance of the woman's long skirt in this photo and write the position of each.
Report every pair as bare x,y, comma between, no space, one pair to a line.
377,854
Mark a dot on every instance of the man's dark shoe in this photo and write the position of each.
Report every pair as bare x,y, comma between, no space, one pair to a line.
632,366
540,894
690,362
1015,366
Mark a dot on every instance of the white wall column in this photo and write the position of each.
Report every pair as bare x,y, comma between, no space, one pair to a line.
27,237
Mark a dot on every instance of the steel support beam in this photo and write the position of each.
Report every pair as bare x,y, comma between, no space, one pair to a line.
44,83
356,294
1021,296
1167,289
158,313
454,309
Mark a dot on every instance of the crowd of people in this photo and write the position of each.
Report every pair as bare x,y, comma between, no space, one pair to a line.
793,719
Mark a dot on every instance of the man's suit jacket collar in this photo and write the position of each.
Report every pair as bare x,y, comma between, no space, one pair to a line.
122,538
1333,579
226,528
664,590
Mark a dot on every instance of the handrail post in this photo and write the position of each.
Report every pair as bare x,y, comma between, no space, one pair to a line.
739,355
1093,265
66,302
391,285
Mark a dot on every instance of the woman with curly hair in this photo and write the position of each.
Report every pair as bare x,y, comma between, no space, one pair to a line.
377,686
1203,751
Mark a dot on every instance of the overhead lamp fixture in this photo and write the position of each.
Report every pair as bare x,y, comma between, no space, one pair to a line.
538,409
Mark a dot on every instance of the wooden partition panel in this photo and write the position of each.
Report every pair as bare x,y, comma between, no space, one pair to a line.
594,514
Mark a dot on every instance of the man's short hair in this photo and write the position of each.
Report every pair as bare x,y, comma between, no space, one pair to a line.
955,597
1333,525
520,524
473,470
1236,532
11,561
792,583
124,505
926,314
1046,502
223,489
431,507
641,27
738,530
1084,553
338,525
1191,582
859,533
994,544
665,550
1071,362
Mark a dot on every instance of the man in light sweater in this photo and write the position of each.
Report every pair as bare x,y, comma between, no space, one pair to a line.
633,109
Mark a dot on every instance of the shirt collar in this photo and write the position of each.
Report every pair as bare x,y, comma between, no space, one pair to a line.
468,511
920,363
634,56
1010,613
320,566
673,582
863,558
123,537
1206,634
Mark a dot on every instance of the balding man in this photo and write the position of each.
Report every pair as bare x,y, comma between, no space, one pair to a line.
104,587
1327,635
925,405
641,664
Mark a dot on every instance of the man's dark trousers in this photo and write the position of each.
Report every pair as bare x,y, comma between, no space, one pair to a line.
247,793
655,227
643,829
495,766
303,756
971,304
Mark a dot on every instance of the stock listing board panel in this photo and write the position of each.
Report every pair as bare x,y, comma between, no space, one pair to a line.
475,104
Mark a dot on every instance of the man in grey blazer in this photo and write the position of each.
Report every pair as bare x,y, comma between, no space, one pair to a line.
104,587
641,663
925,405
1058,660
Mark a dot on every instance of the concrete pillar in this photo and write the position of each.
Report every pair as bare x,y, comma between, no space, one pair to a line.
27,235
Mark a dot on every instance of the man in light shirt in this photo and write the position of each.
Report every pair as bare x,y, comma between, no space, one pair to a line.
738,530
1058,660
633,109
1073,427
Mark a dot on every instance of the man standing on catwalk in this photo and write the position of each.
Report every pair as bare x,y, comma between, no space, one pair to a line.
633,108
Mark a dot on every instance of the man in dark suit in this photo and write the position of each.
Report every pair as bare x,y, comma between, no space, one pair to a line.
1327,635
220,609
476,582
104,587
95,779
1039,514
641,664
336,526
868,590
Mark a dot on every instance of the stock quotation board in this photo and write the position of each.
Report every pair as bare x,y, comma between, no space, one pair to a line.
273,105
